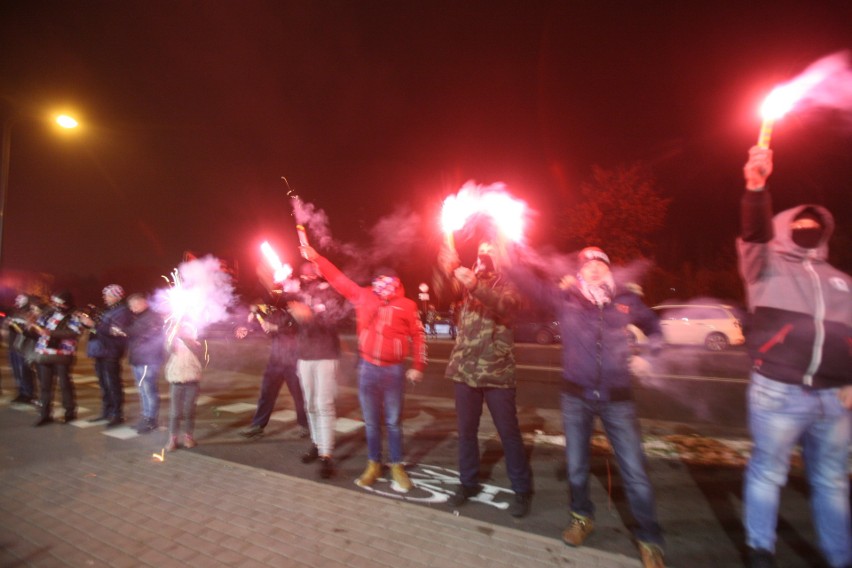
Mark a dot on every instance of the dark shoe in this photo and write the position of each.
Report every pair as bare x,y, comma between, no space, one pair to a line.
115,422
311,455
760,558
146,425
326,467
44,420
520,507
100,418
253,431
20,399
69,418
462,494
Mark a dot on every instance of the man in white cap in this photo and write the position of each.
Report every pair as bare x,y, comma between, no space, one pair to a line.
597,363
107,345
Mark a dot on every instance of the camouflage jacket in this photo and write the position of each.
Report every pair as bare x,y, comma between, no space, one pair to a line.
482,356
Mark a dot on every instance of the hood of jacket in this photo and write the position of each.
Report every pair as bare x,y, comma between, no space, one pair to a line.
782,242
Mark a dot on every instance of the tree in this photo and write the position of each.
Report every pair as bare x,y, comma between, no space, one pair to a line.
618,210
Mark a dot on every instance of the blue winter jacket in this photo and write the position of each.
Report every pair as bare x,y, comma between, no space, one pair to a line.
596,344
102,343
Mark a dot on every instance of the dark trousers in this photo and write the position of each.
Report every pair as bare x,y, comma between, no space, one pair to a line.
270,386
47,374
503,409
108,372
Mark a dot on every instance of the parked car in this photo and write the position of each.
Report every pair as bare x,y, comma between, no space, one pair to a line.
715,326
537,329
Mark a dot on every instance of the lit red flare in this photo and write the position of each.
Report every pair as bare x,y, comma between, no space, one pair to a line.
280,271
816,82
493,201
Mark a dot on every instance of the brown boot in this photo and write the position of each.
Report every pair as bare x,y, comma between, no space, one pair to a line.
578,530
370,475
401,482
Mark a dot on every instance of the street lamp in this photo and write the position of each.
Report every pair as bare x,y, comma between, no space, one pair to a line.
63,120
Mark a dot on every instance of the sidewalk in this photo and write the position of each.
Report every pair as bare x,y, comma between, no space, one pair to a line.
123,509
83,495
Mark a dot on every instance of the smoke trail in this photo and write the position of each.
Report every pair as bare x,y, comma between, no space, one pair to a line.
392,239
826,83
200,294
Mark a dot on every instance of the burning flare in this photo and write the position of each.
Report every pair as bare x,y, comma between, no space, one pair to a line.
493,201
827,82
280,271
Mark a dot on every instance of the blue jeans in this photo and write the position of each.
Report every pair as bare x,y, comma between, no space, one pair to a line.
182,407
504,412
108,372
622,429
780,416
149,391
380,391
24,376
273,379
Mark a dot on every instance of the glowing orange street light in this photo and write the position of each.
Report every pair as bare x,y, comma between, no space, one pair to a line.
66,121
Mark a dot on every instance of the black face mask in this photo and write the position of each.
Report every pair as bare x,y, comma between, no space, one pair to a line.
807,238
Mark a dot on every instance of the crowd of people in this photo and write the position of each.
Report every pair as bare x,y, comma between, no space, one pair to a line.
798,336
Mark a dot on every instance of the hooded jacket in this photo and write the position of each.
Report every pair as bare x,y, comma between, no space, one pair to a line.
799,329
387,330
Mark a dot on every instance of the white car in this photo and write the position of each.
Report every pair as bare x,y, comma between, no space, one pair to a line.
713,325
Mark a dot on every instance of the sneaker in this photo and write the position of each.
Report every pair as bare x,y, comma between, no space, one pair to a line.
370,475
70,417
252,431
652,555
578,530
146,425
100,418
117,421
311,455
326,467
172,444
401,482
462,494
189,441
760,558
521,505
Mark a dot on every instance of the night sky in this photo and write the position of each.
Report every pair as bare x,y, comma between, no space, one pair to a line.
192,112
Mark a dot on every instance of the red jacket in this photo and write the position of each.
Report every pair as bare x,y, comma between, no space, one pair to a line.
387,330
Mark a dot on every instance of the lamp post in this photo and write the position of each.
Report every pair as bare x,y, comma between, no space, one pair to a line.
62,120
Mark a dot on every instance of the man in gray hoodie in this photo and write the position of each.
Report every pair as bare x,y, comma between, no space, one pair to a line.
798,335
